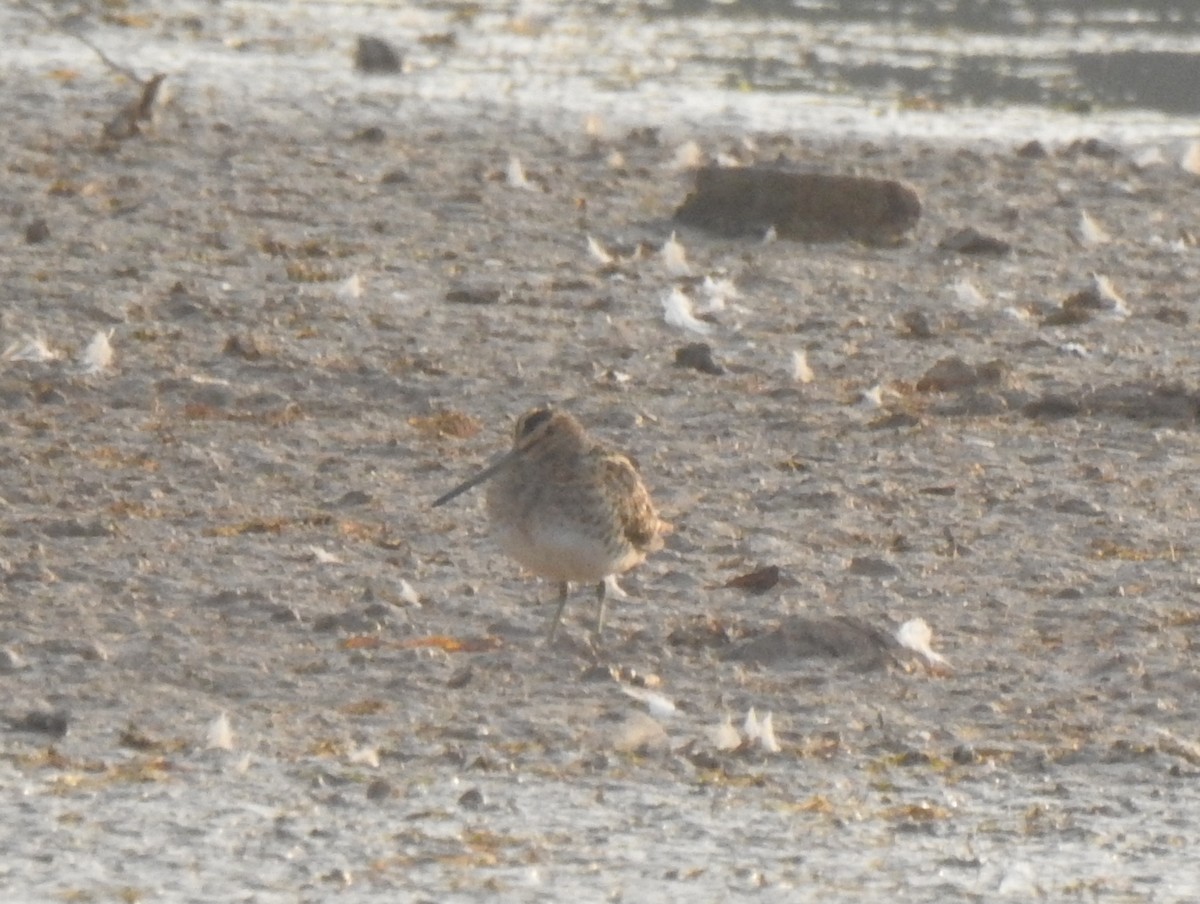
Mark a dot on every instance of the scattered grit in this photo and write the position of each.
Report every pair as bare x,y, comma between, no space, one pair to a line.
243,353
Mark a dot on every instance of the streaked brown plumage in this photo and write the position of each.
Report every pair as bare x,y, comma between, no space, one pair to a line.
567,507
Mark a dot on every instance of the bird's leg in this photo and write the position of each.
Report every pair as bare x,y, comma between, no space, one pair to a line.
601,596
563,589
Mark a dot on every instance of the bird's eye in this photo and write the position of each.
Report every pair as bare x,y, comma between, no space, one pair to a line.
532,421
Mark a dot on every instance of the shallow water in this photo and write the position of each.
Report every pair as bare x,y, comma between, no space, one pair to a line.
1068,56
998,72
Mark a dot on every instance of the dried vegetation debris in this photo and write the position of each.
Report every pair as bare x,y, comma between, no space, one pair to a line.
827,486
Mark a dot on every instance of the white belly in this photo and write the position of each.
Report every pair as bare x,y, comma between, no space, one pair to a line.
564,553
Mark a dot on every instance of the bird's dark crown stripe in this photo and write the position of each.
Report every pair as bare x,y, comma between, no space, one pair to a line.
535,420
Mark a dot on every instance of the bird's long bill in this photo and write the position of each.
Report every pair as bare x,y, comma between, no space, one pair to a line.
474,481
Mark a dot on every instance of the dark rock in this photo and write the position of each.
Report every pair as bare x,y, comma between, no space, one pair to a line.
801,638
896,420
964,755
953,374
46,393
1098,298
182,302
758,581
49,722
817,502
808,207
12,661
916,325
37,232
1165,402
235,596
1173,316
1032,150
970,240
972,403
246,347
698,356
471,799
360,622
1052,407
468,294
597,672
871,567
701,633
439,39
380,789
644,136
284,615
73,528
353,498
1091,147
376,56
1071,314
1077,506
1145,401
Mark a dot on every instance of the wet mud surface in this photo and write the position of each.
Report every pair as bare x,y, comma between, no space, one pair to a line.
324,312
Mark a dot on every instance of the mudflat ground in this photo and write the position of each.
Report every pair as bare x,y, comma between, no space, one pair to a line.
325,313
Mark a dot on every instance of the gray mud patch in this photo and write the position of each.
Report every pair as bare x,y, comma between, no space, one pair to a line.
320,323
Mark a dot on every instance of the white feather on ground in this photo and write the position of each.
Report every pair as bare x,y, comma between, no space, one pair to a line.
871,398
718,292
598,252
515,175
220,734
659,706
32,349
408,593
761,732
1190,161
801,371
324,557
916,635
677,311
639,731
364,756
969,297
98,355
688,156
674,257
1112,300
350,289
1087,232
724,736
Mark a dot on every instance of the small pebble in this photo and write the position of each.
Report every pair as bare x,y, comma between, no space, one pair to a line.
916,325
380,790
12,661
37,232
698,356
971,241
93,651
371,135
50,722
471,799
376,56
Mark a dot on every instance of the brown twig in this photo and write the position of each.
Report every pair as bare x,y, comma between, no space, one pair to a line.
125,123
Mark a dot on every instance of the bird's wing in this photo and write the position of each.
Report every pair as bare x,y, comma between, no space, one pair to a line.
639,520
